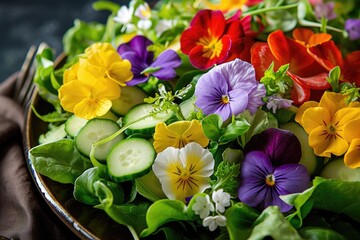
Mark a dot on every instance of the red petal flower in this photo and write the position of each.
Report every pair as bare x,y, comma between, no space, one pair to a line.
351,68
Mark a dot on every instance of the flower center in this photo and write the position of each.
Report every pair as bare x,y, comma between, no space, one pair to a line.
331,131
225,99
211,47
270,180
185,178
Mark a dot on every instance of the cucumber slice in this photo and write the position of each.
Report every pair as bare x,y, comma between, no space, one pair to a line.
336,169
147,125
188,108
308,158
74,124
95,130
130,96
130,159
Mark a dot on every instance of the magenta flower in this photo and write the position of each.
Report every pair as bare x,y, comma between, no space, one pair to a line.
143,64
352,26
271,169
229,89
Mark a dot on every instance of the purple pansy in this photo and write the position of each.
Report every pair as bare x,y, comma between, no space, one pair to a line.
143,63
352,26
229,89
271,169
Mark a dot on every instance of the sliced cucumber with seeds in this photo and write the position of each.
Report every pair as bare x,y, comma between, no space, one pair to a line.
145,126
130,159
95,130
130,96
74,124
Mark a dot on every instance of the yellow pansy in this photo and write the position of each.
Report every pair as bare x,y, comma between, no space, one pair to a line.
88,99
70,74
352,156
103,61
325,124
178,134
184,172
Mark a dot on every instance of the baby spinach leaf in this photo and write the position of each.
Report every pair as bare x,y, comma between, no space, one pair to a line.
240,218
164,211
84,190
234,130
272,223
212,126
59,161
326,194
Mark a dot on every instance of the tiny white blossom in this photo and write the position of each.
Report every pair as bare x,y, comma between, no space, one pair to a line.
143,11
214,221
163,25
221,200
144,24
124,15
276,101
203,206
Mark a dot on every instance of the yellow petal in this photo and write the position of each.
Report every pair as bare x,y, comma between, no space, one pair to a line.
195,133
315,117
72,93
352,156
325,144
302,109
333,102
90,108
164,137
354,104
120,72
98,47
70,74
352,130
346,115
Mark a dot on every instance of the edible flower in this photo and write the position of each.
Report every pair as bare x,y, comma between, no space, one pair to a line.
90,85
203,206
229,89
352,26
221,200
225,5
325,124
214,221
271,169
184,172
211,38
143,63
352,156
178,134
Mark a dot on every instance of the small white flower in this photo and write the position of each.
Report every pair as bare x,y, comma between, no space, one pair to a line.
144,24
143,11
164,25
124,15
221,200
276,101
203,206
214,221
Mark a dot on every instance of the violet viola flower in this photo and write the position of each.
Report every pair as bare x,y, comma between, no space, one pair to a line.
229,89
352,26
271,169
143,64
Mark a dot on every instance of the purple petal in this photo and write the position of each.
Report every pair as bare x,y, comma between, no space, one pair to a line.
238,101
291,178
137,80
254,169
139,45
255,98
165,73
167,59
281,146
352,26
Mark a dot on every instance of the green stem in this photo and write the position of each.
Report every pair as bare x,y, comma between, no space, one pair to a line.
264,10
133,232
307,23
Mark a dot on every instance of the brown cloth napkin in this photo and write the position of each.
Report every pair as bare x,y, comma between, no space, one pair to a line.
24,214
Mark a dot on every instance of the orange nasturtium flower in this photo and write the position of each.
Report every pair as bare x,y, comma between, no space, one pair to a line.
90,85
178,134
326,122
308,38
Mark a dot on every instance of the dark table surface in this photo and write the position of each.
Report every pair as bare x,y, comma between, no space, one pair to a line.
27,22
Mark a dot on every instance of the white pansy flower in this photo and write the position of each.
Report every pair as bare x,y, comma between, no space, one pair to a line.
203,206
214,221
124,15
221,200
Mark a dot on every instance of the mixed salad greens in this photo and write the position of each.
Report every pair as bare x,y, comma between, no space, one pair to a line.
210,119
